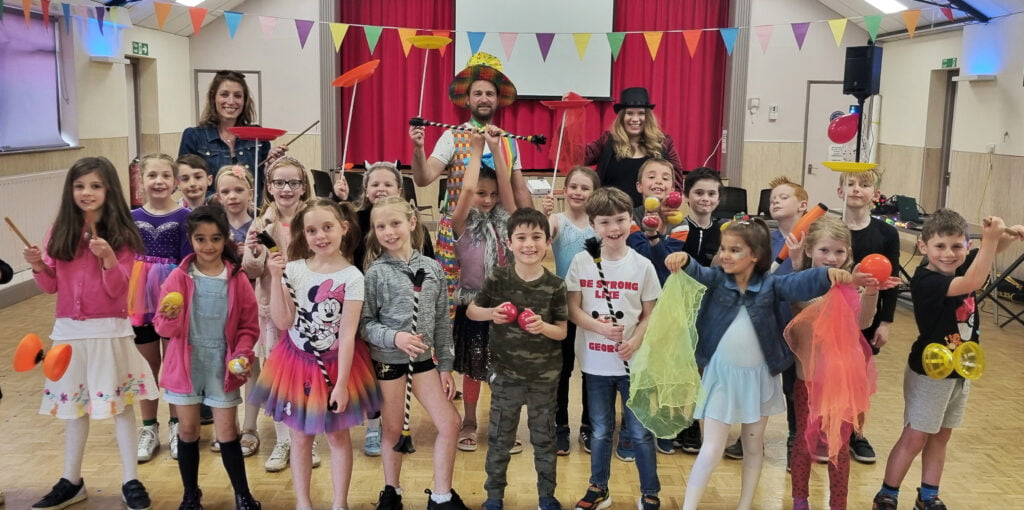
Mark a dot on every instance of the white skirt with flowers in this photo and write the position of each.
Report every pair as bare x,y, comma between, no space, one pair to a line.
104,376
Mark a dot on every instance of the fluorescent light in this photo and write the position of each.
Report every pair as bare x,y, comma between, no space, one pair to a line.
193,3
886,6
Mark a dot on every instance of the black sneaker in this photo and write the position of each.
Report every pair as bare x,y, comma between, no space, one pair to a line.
585,438
191,500
666,446
689,439
246,502
735,450
562,440
861,450
932,504
648,502
135,496
205,414
548,503
789,453
62,495
596,498
389,499
453,504
884,502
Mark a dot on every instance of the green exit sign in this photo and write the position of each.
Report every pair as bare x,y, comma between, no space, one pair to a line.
141,48
948,63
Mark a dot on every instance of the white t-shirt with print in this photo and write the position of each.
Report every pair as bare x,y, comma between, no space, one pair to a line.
320,300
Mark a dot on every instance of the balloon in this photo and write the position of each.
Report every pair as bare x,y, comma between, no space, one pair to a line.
510,310
525,316
877,266
652,204
937,360
969,360
843,129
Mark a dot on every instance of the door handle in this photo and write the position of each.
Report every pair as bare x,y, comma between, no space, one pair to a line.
810,168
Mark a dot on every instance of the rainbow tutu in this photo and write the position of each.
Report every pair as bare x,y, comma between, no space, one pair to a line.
148,274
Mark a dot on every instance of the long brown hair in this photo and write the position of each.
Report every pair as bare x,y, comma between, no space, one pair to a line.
754,233
268,199
373,247
115,224
344,212
210,116
652,139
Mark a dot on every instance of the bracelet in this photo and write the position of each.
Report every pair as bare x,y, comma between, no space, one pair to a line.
653,237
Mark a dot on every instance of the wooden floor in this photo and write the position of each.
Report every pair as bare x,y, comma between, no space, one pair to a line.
985,464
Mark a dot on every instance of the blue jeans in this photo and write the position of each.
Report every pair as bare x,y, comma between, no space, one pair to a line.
601,392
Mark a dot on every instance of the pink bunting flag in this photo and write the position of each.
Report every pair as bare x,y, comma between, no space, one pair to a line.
45,9
303,26
800,33
692,39
198,14
267,24
947,12
544,42
508,42
764,34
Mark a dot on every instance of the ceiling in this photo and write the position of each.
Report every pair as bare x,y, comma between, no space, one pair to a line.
930,13
178,21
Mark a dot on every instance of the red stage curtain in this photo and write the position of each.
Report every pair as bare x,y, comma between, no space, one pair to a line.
689,92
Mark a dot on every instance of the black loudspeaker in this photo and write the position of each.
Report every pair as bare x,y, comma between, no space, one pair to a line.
863,71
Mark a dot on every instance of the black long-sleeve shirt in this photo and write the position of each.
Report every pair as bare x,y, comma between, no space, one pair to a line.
882,238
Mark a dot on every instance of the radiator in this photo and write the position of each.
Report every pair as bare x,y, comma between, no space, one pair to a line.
31,201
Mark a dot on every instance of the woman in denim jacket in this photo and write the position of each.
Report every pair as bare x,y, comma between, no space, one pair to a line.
740,348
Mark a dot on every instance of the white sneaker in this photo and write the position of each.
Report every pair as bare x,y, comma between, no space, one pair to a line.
172,439
316,456
278,459
149,441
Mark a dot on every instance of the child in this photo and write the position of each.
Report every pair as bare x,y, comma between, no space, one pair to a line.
870,235
89,253
387,325
605,340
318,304
162,224
216,324
945,312
656,178
194,179
701,232
234,193
480,231
569,230
525,357
289,188
740,348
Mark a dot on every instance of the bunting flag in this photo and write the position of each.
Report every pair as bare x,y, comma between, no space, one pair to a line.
508,42
800,33
45,9
198,14
838,27
947,12
615,43
443,33
544,41
232,19
764,34
872,23
372,34
653,39
113,15
729,38
100,12
910,19
162,11
126,20
303,26
26,9
475,40
64,7
582,41
267,24
338,31
403,35
692,39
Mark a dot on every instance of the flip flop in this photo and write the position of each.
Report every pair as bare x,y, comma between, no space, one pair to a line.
467,440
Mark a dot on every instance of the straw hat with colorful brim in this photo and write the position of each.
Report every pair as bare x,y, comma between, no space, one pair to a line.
481,66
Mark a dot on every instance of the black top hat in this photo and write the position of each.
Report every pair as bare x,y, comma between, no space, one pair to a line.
633,97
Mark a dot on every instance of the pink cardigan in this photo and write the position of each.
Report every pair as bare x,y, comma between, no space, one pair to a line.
84,289
240,330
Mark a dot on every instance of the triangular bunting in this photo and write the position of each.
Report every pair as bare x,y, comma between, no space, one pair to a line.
475,40
544,42
303,26
729,38
947,12
100,13
403,35
764,34
800,33
443,33
838,27
267,24
64,7
508,42
692,39
113,15
126,19
372,34
45,9
582,41
338,34
653,39
232,19
872,22
910,19
615,43
26,9
162,11
198,14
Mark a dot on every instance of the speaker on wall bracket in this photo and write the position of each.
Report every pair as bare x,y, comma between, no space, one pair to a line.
863,72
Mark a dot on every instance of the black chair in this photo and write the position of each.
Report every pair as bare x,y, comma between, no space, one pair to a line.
734,201
764,203
355,184
409,192
322,184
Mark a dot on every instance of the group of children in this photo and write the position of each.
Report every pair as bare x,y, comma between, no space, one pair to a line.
280,306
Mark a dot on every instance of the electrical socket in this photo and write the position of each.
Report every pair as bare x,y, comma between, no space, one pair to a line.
990,148
773,112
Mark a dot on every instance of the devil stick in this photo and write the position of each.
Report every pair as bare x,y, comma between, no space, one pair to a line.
593,247
537,140
404,444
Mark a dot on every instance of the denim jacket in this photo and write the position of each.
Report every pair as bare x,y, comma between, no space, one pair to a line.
722,303
205,142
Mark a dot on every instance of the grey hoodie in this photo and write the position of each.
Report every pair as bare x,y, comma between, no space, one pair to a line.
387,310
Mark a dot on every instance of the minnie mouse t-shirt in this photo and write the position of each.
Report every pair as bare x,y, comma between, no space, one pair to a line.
320,298
941,319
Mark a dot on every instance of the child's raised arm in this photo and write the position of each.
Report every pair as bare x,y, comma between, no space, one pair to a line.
505,192
993,229
469,183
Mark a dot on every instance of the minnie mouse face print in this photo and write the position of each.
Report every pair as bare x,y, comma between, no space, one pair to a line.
319,325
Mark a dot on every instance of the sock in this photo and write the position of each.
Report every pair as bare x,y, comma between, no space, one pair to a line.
398,490
174,419
234,464
928,492
441,498
889,491
149,423
188,463
127,443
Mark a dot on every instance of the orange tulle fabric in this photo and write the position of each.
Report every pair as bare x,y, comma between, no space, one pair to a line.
837,365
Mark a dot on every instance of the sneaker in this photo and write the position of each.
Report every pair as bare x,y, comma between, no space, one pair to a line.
148,441
596,498
135,496
246,502
191,500
452,504
172,439
648,502
861,450
389,499
884,502
689,439
205,414
789,453
562,440
624,450
666,446
548,503
801,504
932,504
493,504
62,495
215,445
585,438
371,448
316,456
735,450
278,459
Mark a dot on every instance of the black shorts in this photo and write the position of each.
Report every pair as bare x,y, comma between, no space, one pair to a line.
145,334
391,371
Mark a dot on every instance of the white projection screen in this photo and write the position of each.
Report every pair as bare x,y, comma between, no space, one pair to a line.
534,77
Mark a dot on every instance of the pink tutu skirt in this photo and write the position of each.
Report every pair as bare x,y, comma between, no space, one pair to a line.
148,274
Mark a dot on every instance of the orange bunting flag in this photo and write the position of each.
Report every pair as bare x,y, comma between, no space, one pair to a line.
764,34
403,35
653,39
692,38
838,27
162,11
910,19
338,34
26,8
443,33
198,14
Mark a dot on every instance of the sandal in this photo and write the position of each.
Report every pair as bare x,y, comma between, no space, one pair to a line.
517,447
250,441
467,439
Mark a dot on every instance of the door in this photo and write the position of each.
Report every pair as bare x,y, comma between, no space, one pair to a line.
131,78
825,101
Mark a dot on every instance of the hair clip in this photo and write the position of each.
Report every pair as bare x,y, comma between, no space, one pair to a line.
238,170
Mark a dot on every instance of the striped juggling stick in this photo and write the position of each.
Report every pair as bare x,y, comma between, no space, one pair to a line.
537,140
331,406
404,444
593,247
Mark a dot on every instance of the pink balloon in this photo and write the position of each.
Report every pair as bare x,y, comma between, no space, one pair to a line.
843,129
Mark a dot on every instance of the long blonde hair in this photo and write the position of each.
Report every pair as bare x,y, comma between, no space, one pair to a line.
829,227
652,139
373,247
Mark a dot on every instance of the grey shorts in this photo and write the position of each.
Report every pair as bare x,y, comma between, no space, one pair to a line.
930,404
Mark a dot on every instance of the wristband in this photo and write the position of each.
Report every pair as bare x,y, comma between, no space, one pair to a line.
653,237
